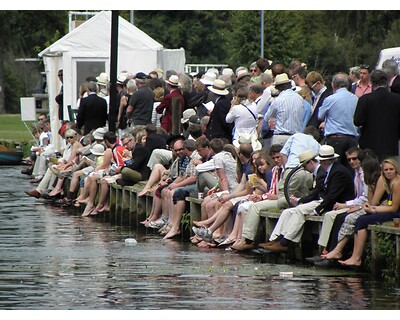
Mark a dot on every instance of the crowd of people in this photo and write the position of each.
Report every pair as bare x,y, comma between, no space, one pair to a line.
243,133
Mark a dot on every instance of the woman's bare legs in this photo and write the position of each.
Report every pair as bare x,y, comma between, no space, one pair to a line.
336,253
154,178
359,243
93,188
58,188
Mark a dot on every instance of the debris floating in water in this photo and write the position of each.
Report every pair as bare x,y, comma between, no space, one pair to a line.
130,241
286,274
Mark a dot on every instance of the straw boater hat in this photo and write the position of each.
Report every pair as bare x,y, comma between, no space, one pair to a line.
218,87
97,149
250,139
306,156
281,79
122,77
99,133
326,152
173,81
208,78
242,73
187,114
102,79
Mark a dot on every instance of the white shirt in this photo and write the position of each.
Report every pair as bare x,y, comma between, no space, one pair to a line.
245,121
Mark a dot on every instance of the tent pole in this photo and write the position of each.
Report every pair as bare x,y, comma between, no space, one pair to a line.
112,116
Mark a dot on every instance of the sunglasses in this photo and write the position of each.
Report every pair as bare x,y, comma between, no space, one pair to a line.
352,159
126,143
180,149
253,70
69,137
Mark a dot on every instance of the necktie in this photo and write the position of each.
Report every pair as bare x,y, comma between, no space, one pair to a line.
358,184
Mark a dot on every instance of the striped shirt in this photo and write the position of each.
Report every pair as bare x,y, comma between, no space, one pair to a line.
288,111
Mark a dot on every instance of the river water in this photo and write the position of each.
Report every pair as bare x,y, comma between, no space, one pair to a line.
53,259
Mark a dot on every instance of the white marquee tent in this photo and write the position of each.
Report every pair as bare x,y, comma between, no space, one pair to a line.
85,51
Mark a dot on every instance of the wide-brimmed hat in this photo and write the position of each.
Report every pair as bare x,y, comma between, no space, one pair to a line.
306,156
102,79
173,81
97,149
281,79
250,139
326,152
227,72
99,133
241,74
208,78
122,77
187,114
218,87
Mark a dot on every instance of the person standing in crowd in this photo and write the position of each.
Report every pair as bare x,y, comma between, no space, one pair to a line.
140,106
363,85
60,97
316,83
336,114
92,113
217,126
287,109
378,116
165,107
391,68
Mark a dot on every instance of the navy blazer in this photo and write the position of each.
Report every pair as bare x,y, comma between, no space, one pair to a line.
318,187
339,187
314,117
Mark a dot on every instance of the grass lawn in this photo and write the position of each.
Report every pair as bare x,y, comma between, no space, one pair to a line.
12,128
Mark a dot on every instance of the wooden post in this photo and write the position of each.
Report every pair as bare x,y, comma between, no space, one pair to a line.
176,115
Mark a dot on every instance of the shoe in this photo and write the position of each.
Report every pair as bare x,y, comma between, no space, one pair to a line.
314,259
277,247
27,171
204,233
325,263
244,246
37,180
266,245
158,223
33,193
227,242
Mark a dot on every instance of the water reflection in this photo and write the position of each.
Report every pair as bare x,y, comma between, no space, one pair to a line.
54,259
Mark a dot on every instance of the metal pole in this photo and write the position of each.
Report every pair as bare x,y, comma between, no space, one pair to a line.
132,18
112,115
262,34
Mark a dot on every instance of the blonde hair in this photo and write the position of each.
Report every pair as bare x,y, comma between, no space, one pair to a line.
158,94
387,183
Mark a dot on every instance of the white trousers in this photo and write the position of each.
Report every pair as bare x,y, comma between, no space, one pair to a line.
291,221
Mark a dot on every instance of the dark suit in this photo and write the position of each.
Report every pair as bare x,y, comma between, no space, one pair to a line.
378,115
339,187
318,187
217,126
314,116
92,113
395,87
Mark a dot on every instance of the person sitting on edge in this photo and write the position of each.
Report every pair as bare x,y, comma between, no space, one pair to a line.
385,202
337,186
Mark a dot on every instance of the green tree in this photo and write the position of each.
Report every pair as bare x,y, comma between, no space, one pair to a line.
24,34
